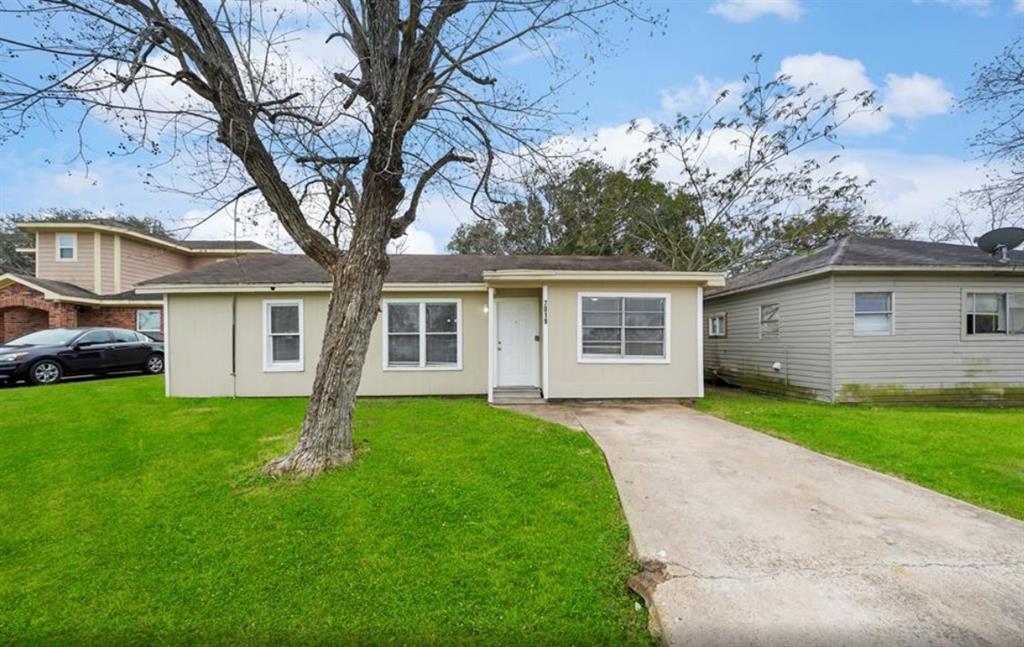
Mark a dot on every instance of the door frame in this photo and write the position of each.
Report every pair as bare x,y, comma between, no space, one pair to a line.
495,368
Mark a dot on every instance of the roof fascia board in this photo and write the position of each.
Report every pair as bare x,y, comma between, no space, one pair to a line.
872,269
168,288
130,233
713,279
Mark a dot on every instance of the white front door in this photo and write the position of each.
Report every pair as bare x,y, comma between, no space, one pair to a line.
518,342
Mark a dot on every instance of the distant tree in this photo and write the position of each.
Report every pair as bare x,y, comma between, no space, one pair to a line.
998,91
972,213
11,237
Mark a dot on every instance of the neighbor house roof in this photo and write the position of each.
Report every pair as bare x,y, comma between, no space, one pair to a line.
423,272
62,291
858,252
116,226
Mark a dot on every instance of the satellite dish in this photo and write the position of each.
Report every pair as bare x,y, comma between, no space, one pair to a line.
1001,241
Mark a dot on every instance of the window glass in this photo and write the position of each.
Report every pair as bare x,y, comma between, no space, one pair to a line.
123,336
986,313
423,333
1017,313
873,312
66,246
770,320
148,320
716,326
95,337
622,327
285,333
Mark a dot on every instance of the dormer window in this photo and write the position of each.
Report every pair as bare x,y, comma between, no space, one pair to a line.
67,247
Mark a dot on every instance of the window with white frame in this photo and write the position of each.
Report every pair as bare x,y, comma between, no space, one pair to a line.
768,315
995,313
66,247
718,325
623,328
873,313
147,320
423,334
282,325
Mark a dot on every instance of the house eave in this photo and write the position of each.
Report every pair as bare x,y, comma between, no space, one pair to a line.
505,277
235,288
50,295
128,233
871,269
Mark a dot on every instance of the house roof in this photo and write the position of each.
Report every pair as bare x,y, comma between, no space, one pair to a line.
64,291
280,269
867,253
110,224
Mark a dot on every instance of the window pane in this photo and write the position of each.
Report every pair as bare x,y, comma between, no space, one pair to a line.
770,312
403,350
987,303
602,319
123,336
95,337
284,319
602,334
149,320
403,317
285,348
645,305
442,349
440,318
67,252
602,304
636,349
986,324
644,334
871,323
1017,314
873,301
592,348
645,319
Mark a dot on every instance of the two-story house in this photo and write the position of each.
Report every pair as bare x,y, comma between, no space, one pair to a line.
86,272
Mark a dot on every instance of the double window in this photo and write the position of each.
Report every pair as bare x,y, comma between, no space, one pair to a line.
282,332
995,313
422,334
626,328
67,247
873,313
768,316
718,325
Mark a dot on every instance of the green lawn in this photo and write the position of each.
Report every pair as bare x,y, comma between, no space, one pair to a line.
130,518
972,454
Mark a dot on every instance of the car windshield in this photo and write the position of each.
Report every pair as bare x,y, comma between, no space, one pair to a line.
53,337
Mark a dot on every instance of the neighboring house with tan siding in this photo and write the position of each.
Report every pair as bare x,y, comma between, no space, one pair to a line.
86,273
514,328
874,320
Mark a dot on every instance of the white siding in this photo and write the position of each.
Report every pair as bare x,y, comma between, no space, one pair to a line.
928,358
801,348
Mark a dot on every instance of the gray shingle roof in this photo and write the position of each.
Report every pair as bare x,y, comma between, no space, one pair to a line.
282,269
858,251
72,291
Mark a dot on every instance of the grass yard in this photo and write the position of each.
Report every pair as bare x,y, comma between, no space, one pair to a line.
972,454
130,518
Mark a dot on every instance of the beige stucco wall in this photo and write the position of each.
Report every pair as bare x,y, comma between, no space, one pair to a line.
201,367
569,378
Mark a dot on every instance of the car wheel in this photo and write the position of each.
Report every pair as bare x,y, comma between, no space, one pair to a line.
154,364
45,371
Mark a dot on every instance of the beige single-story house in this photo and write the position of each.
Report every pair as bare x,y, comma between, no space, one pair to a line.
874,320
508,327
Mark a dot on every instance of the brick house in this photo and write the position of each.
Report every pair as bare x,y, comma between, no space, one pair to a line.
86,273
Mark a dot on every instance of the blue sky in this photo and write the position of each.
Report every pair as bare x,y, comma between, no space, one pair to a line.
918,56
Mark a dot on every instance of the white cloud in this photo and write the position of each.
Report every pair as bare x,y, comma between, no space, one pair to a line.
700,95
748,10
415,241
916,96
903,97
1018,6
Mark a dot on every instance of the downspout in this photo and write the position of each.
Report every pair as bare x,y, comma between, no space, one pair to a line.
234,350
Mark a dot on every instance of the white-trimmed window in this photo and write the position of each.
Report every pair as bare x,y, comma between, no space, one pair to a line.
995,313
873,312
630,328
718,325
67,247
147,320
282,332
768,316
422,334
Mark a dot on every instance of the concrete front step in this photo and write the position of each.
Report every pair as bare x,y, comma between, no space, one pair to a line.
518,395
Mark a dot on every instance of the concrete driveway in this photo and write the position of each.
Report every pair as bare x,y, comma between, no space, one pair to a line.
756,541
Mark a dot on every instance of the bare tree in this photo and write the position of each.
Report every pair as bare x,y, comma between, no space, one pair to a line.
998,91
751,166
974,212
417,97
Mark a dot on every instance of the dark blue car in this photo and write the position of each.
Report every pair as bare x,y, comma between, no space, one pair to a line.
46,356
